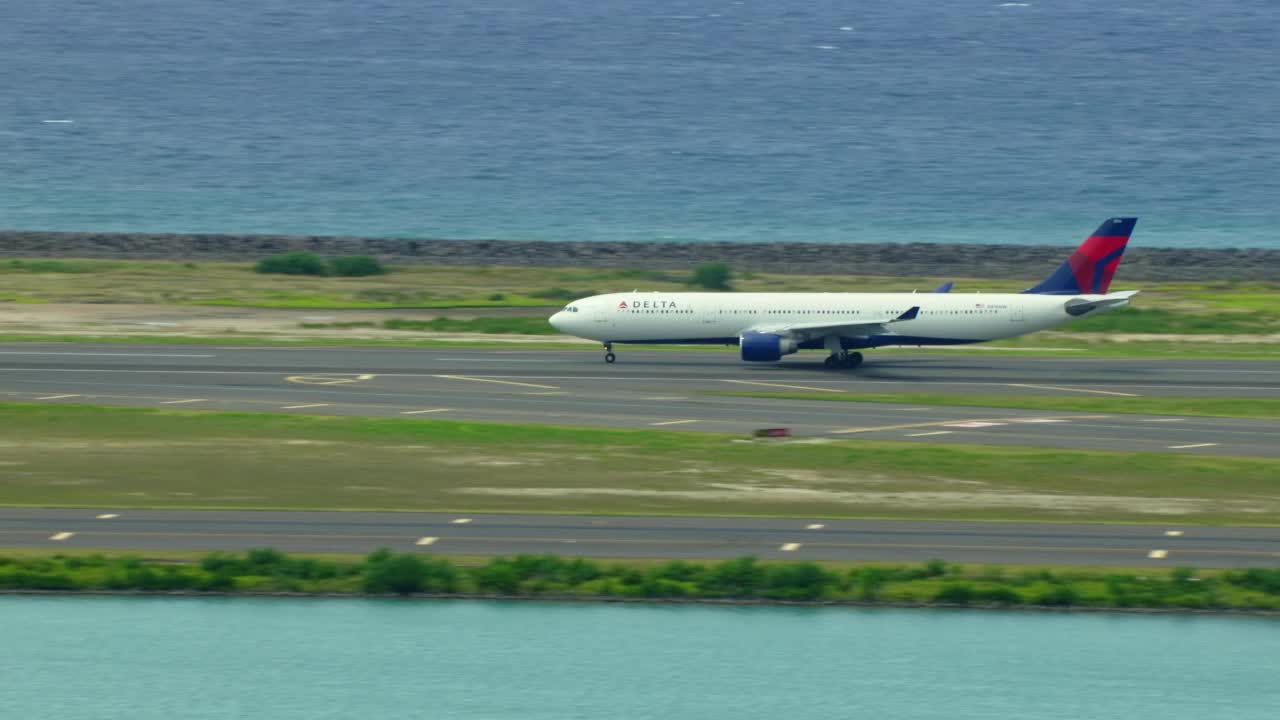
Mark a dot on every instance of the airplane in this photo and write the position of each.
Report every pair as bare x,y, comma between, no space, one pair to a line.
767,326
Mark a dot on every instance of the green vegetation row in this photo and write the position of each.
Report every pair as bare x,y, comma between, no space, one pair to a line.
743,579
1197,406
305,263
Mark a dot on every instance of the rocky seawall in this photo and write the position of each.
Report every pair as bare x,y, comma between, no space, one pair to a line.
893,259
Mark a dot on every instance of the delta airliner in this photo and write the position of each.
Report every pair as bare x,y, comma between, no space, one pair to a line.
767,326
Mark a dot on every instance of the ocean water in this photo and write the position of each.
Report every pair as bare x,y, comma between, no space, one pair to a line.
138,659
729,120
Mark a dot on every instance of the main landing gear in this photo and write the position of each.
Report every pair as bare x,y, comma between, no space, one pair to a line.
843,360
608,353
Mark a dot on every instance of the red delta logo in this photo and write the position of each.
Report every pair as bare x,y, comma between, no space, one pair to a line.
622,305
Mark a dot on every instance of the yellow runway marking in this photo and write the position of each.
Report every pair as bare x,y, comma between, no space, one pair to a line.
1173,533
498,382
1158,554
673,422
790,547
426,541
792,387
1072,389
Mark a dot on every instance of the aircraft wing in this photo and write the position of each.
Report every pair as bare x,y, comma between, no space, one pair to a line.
1080,306
804,331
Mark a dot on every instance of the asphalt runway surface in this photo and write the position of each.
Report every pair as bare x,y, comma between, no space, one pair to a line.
663,390
643,537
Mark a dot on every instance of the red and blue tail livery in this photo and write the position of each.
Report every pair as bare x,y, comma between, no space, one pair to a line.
1090,268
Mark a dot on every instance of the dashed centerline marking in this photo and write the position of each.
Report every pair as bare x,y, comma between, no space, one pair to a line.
460,521
1072,389
61,536
673,422
299,407
1193,445
790,547
1165,420
107,516
426,541
975,424
498,382
1158,554
424,412
1173,533
183,402
793,387
927,434
814,526
56,397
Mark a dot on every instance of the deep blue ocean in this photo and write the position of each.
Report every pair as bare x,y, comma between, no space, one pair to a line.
70,658
737,120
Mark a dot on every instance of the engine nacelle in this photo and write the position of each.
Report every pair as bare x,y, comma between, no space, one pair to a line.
765,347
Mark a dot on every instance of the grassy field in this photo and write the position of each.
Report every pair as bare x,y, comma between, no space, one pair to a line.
1206,407
1181,307
92,456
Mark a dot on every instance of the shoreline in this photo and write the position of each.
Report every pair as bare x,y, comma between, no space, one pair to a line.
884,259
614,599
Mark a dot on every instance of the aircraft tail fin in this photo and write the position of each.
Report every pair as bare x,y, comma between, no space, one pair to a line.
1090,268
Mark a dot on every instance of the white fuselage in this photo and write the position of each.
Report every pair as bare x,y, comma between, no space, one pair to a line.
944,318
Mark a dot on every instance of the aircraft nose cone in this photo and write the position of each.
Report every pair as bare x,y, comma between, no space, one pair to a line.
557,320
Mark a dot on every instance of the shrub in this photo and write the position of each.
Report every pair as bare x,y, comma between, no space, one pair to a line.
713,276
997,596
386,572
293,263
356,266
955,594
735,578
799,581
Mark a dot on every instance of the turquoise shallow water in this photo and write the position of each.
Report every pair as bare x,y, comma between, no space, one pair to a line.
911,120
82,657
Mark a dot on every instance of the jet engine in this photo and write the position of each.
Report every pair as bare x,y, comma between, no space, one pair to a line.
765,347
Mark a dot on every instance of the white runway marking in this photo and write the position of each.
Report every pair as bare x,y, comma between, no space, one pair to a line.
670,398
183,402
927,434
1158,554
814,526
1038,420
299,407
460,521
974,424
1165,420
140,356
61,536
56,397
1193,445
1173,533
426,541
793,387
499,382
107,516
790,547
424,412
548,392
1072,389
673,422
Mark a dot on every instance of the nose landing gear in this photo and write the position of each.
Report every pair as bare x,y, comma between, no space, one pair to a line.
608,353
843,360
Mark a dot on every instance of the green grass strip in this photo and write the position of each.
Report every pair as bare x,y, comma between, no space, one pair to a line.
1265,408
136,457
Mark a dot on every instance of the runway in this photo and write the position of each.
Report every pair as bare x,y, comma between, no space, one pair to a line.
643,537
663,390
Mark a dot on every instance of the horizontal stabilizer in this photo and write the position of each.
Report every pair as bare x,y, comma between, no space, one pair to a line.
1082,306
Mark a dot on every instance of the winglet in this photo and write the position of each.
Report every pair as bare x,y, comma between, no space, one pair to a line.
908,315
945,287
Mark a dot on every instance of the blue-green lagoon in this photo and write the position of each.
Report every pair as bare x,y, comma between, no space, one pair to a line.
143,658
